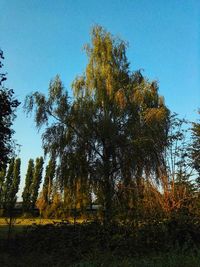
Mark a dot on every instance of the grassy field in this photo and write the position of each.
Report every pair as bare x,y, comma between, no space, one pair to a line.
20,224
88,245
29,221
37,221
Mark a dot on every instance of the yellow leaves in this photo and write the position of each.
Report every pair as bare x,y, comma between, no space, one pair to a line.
120,98
143,94
109,82
153,115
138,96
41,202
78,85
106,58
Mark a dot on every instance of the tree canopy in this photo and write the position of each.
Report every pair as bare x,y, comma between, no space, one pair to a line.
8,105
115,131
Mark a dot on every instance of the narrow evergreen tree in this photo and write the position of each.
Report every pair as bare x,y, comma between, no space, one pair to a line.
2,179
8,183
48,181
26,195
37,178
11,185
15,183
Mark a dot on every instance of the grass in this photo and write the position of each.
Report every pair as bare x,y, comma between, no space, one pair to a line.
29,221
49,243
38,221
171,259
21,224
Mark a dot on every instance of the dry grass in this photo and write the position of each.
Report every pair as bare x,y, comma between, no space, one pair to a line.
36,221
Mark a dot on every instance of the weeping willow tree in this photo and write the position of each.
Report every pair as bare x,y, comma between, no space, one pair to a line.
113,132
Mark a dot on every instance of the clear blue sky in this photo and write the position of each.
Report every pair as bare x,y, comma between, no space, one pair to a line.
43,38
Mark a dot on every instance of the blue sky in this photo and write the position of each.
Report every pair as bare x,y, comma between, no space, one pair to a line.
43,38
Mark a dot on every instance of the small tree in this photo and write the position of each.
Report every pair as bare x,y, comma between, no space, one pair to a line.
41,204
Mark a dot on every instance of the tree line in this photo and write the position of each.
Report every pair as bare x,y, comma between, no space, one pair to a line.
115,143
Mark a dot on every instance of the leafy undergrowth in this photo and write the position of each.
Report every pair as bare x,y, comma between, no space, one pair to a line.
169,244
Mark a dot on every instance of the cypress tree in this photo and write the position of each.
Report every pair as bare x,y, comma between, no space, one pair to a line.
26,195
8,183
11,185
37,178
15,183
48,180
2,179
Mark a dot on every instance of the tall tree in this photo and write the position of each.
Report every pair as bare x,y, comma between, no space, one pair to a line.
37,178
11,185
48,181
16,181
8,106
8,182
2,179
26,195
126,117
115,129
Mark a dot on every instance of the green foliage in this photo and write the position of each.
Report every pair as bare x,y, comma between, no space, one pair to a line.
26,195
8,106
48,181
10,186
48,193
37,178
16,180
114,131
2,179
32,184
8,180
116,143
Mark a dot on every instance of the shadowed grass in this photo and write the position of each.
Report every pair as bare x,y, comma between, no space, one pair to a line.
171,259
93,245
21,224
